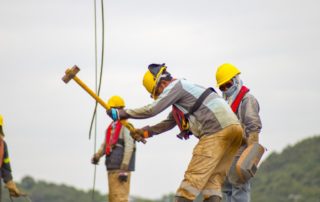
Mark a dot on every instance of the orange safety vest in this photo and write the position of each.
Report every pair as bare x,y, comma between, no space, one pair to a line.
235,104
112,138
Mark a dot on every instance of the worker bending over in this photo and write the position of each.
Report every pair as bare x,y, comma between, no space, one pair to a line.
196,110
119,148
246,106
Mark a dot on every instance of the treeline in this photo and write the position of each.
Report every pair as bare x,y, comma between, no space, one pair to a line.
41,191
292,175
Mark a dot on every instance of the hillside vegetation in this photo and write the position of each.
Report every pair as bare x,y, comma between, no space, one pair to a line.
292,175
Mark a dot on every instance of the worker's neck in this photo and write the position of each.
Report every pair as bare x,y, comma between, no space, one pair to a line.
166,83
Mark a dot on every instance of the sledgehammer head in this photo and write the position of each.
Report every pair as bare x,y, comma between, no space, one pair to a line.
70,73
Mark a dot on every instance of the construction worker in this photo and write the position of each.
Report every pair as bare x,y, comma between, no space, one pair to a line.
6,173
119,148
196,110
246,107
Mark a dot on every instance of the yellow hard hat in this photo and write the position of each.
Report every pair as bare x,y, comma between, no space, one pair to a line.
152,76
116,101
225,73
1,120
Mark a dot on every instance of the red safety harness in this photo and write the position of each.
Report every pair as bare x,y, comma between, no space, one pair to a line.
235,105
180,118
112,138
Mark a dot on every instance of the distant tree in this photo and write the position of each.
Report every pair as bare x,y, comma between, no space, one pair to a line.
293,175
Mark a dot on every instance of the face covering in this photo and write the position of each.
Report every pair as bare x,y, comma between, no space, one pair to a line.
232,89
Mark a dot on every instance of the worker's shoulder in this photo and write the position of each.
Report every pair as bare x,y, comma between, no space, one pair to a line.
249,97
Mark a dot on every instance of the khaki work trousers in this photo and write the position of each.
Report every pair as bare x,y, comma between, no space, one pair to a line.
118,191
211,160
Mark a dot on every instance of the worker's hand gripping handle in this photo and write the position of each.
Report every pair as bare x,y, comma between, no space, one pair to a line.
71,74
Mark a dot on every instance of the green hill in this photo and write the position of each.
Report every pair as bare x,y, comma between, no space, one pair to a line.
292,175
40,191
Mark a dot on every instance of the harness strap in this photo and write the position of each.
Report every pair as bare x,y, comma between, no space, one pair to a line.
182,119
112,138
200,100
236,103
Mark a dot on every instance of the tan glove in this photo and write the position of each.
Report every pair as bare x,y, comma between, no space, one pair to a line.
139,135
95,159
253,138
13,189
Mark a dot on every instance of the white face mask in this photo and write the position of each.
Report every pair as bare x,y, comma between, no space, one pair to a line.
231,90
237,83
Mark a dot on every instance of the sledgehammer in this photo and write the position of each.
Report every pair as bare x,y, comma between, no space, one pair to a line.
71,74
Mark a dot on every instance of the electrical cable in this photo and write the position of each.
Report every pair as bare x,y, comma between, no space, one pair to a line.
96,80
101,69
95,116
97,86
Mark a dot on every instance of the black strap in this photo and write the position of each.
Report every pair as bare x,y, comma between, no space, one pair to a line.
120,141
199,101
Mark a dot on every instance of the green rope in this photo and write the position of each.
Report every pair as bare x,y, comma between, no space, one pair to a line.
97,86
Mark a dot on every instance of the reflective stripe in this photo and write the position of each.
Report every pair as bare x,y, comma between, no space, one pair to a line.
119,145
212,192
188,187
6,160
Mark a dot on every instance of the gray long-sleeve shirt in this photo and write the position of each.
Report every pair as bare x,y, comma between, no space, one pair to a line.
213,115
248,114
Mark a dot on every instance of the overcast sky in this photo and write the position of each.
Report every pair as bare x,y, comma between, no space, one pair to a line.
274,43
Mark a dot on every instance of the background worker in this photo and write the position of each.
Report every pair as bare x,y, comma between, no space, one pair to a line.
200,111
246,106
119,148
6,173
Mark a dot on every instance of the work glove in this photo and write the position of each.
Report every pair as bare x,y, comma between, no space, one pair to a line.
117,114
13,189
244,141
113,114
253,138
140,134
123,176
95,159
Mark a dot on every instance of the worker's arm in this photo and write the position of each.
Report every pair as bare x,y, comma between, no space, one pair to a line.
149,131
102,149
162,126
171,94
6,172
101,152
6,167
129,146
250,118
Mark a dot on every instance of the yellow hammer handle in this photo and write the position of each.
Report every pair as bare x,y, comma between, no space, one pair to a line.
93,94
125,123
